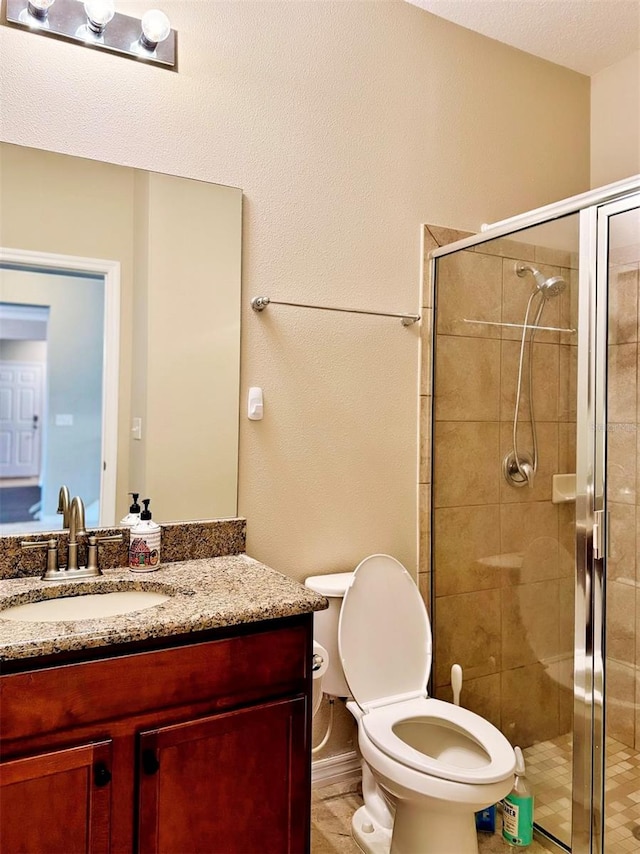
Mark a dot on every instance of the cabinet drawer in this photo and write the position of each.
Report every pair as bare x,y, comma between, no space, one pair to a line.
220,673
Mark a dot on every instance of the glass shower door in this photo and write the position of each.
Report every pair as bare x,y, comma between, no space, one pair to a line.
517,551
503,523
617,723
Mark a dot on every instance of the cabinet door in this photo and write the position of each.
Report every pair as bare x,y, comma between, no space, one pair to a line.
233,783
57,803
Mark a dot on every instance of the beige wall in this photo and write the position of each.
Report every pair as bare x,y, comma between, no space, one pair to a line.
347,124
615,121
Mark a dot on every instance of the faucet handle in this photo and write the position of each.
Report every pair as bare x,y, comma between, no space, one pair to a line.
92,550
52,553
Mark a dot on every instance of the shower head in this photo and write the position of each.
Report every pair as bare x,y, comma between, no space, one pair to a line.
548,286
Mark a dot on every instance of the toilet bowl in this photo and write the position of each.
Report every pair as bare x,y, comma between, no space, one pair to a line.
428,766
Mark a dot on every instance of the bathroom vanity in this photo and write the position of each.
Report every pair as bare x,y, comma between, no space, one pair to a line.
181,728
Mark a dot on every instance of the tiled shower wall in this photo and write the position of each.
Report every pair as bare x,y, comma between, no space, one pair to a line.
503,557
623,444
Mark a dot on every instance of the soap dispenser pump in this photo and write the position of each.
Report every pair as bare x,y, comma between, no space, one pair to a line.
144,546
133,516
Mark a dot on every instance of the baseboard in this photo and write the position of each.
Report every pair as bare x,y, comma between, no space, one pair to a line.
335,769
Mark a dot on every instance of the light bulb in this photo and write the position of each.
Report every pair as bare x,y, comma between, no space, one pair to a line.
155,28
39,8
99,13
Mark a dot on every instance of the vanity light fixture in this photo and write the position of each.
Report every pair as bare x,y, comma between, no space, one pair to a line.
95,23
38,9
99,13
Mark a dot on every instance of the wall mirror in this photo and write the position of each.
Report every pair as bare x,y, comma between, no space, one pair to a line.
119,340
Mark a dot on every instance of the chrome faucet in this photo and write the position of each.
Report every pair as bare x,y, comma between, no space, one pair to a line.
76,529
64,501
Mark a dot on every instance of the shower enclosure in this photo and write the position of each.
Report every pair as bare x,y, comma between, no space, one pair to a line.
529,520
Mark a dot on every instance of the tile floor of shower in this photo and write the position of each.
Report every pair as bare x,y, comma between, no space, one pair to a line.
549,769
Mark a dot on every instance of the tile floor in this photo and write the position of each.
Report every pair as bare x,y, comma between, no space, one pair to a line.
333,806
548,765
549,768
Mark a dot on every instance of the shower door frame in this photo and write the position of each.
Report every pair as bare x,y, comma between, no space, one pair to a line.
599,223
594,209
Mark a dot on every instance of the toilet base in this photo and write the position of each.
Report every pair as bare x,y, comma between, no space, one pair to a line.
438,833
369,835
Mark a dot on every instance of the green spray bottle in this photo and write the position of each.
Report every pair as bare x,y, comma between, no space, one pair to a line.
517,808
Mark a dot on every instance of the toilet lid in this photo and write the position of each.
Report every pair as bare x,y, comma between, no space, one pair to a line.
384,634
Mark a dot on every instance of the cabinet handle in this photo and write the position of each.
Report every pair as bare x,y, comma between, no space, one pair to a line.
150,763
101,774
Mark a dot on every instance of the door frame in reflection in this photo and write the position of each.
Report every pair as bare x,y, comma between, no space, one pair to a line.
110,272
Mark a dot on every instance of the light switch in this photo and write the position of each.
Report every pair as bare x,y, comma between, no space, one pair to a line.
136,428
64,420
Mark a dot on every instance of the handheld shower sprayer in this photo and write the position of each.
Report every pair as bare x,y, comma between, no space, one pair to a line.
519,469
548,286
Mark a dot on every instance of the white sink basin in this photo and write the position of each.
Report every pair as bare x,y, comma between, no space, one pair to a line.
88,606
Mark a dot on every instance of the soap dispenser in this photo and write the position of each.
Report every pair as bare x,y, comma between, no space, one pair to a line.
133,516
144,545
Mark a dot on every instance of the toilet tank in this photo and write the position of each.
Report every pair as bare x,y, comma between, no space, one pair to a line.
325,627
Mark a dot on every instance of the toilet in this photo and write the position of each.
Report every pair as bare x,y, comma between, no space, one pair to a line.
427,766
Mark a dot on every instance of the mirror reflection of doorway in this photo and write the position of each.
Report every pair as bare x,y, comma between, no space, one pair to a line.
51,394
23,366
21,395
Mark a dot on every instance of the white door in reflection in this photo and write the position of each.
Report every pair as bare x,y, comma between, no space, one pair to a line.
21,396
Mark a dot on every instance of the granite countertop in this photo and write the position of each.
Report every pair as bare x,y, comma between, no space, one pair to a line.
206,593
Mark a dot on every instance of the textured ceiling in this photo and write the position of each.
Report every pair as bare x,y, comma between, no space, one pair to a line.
585,35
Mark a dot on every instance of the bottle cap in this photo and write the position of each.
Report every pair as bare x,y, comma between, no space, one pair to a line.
135,507
146,513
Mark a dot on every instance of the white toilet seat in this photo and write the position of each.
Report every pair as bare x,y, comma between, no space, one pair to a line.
384,636
448,741
385,648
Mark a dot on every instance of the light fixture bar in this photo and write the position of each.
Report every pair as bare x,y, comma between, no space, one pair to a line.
67,19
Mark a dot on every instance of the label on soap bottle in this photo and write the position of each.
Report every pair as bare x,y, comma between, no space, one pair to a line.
144,552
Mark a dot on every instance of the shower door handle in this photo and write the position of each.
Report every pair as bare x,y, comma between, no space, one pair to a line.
601,534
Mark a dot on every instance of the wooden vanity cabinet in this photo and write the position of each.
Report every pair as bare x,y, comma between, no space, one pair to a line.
58,801
226,778
200,748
